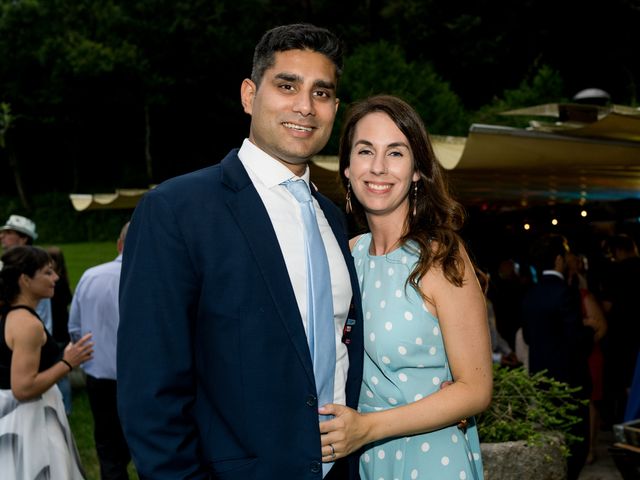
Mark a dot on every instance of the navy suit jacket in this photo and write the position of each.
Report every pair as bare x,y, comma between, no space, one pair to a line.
215,379
558,340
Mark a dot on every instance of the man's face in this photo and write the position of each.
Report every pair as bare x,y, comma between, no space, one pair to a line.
11,238
293,109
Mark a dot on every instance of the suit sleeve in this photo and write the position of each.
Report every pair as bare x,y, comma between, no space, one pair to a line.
156,379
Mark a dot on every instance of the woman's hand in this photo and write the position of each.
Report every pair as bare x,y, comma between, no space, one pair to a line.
344,434
79,352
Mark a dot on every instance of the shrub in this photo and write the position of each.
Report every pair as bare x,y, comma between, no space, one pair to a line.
534,408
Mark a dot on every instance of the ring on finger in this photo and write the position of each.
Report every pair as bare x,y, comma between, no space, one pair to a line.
333,452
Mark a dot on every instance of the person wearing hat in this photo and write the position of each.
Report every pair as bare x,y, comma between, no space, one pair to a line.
18,230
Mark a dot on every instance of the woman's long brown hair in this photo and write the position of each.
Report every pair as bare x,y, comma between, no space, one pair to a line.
438,217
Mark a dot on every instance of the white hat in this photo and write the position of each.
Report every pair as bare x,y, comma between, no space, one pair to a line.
21,224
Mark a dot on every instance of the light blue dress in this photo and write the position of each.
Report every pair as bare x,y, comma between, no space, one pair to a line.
405,361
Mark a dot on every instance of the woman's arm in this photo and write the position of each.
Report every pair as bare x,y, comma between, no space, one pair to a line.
25,336
463,321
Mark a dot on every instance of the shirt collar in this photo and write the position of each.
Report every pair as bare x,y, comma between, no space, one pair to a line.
264,167
553,272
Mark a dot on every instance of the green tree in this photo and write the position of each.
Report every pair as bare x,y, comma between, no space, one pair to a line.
382,68
6,121
545,85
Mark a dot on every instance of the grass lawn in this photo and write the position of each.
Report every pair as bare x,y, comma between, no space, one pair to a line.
80,256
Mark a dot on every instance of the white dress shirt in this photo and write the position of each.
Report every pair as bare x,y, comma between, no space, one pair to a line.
553,272
267,175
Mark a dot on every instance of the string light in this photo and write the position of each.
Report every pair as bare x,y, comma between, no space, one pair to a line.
583,213
554,222
526,226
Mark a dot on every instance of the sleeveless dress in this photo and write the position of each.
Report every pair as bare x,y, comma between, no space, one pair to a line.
36,442
405,361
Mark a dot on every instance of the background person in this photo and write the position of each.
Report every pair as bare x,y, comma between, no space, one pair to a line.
425,318
33,424
94,309
21,230
559,342
60,316
216,377
501,351
593,317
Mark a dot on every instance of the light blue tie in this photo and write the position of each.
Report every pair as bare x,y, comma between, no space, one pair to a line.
320,324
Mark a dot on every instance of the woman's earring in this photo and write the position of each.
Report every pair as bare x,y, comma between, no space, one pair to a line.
348,207
415,198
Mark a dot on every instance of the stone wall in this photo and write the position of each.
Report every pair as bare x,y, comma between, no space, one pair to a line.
520,461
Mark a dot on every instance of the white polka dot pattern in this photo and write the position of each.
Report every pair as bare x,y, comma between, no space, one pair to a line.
405,362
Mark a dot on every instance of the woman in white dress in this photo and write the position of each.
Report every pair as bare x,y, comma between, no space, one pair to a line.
35,438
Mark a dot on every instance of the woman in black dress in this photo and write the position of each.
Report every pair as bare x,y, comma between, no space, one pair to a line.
35,439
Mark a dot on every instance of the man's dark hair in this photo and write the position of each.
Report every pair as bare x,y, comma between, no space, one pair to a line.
546,249
297,36
16,261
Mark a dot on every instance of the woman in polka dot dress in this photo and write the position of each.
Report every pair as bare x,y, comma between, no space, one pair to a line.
424,314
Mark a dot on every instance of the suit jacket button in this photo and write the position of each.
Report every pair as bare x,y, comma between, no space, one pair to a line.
312,401
316,467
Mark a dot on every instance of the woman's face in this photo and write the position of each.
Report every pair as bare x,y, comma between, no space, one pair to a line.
43,282
381,167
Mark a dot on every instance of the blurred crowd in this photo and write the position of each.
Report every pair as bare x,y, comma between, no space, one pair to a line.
576,317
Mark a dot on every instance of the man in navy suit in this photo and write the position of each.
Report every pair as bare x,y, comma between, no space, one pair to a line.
215,378
558,340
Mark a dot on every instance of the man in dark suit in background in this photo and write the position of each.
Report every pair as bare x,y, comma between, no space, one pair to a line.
215,375
557,338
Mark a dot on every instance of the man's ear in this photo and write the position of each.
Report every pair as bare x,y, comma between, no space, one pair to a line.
247,94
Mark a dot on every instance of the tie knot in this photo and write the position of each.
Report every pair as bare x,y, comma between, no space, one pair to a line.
299,189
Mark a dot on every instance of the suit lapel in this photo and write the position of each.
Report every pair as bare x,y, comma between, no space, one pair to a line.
252,219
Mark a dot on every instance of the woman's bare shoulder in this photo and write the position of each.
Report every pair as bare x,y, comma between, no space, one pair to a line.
22,322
